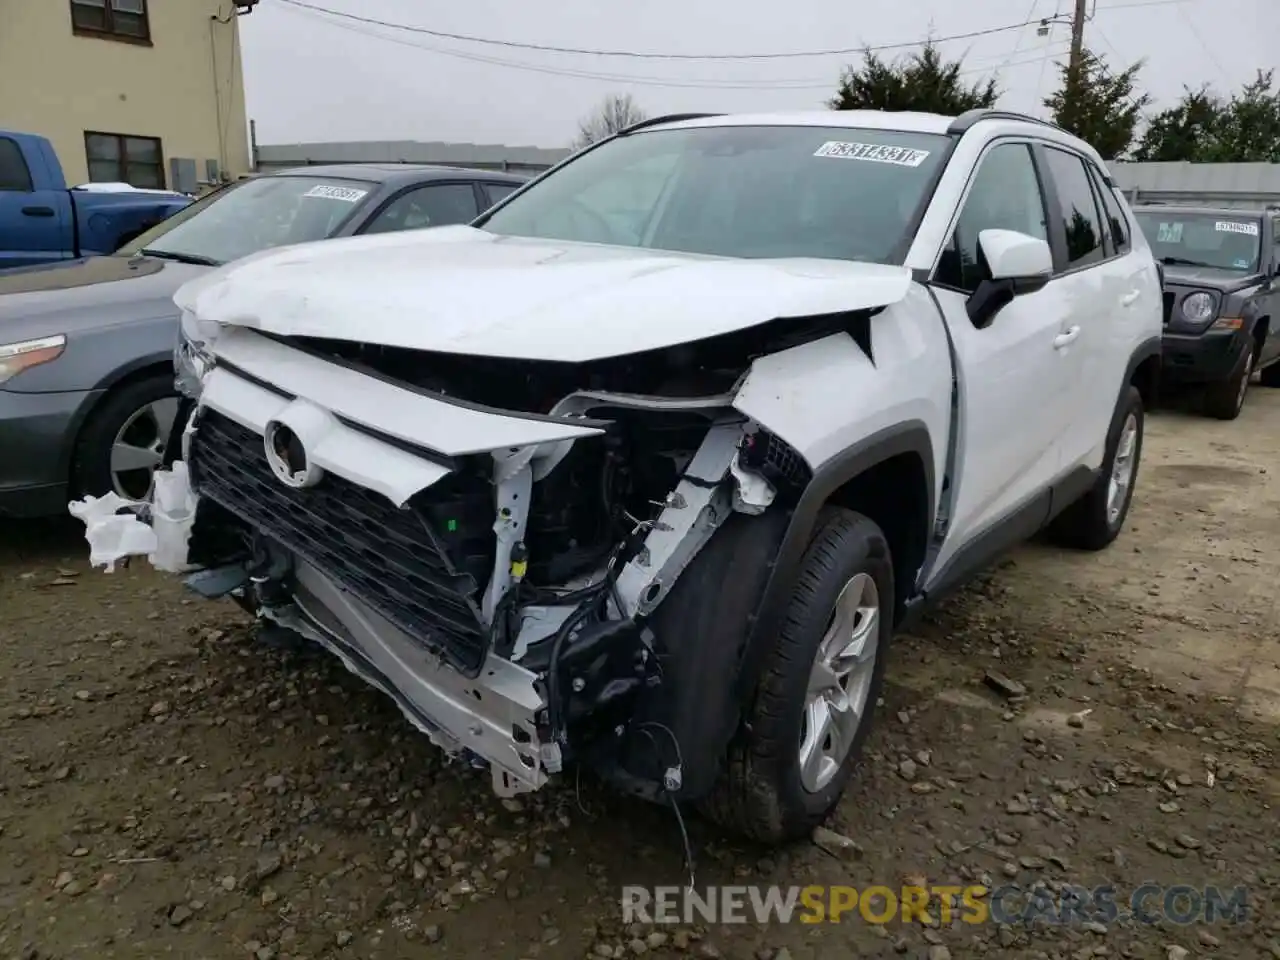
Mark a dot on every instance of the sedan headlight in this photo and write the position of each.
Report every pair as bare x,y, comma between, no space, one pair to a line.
1199,307
25,354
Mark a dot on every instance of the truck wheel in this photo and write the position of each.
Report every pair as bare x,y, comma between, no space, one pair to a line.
1096,519
1225,400
803,731
122,444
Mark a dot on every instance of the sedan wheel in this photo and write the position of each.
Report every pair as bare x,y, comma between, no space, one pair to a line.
138,448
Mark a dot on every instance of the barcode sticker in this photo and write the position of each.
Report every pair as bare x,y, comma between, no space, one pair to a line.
345,194
873,153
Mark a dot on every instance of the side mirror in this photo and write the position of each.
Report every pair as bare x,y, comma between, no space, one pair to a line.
1013,264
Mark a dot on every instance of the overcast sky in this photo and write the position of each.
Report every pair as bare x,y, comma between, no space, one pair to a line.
311,77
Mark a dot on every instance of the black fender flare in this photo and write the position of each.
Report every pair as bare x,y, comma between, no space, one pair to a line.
1148,348
911,436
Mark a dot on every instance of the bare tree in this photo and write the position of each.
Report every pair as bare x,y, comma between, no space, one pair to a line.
616,112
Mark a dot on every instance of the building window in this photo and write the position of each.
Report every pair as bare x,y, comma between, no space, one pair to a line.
115,158
115,19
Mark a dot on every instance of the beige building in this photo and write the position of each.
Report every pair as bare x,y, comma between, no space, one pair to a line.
147,92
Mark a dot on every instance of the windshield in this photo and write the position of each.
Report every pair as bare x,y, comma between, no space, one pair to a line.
254,215
786,191
1218,240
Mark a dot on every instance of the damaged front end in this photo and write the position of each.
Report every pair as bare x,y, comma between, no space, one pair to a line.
485,541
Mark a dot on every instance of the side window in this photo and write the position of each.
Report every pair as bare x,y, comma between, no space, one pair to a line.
14,174
1117,222
1077,209
499,191
1005,195
435,205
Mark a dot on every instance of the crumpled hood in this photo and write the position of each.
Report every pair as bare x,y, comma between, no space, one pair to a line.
1215,278
463,290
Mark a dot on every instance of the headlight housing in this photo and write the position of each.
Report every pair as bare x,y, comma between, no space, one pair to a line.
1199,307
192,358
25,354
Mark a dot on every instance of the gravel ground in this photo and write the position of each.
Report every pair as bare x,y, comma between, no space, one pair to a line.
168,787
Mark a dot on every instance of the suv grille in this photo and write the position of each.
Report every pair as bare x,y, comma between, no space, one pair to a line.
392,559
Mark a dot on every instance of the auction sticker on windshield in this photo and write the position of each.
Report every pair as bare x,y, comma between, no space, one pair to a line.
1236,226
329,192
873,152
1169,233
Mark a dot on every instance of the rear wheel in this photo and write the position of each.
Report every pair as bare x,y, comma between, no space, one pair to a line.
1225,400
805,726
1096,519
123,442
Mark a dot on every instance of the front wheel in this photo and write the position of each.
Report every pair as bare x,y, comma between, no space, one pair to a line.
1225,400
1096,519
123,442
804,728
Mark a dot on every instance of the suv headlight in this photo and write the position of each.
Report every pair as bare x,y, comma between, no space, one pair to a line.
192,358
1199,307
25,354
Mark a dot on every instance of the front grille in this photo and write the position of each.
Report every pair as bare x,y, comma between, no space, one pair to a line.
1169,299
392,559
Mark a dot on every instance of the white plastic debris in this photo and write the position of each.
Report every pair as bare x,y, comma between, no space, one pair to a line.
173,513
114,536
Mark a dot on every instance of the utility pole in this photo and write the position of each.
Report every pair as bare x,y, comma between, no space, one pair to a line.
1077,43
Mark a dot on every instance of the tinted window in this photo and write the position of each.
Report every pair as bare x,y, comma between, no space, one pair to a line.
255,215
737,191
1005,195
1220,240
500,191
14,174
437,205
1077,209
1117,223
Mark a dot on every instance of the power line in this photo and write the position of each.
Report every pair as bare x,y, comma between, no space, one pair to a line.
825,83
645,55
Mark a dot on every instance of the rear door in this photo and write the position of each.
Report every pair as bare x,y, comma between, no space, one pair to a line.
1104,289
33,223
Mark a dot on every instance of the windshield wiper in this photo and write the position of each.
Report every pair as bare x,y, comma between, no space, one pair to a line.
179,257
1183,262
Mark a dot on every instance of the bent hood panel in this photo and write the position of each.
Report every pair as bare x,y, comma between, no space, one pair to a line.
462,290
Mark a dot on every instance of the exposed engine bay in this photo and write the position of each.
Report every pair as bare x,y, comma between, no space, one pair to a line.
506,606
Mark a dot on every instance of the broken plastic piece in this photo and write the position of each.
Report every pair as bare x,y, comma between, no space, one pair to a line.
113,535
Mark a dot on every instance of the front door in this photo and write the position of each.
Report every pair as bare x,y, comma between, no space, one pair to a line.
1014,385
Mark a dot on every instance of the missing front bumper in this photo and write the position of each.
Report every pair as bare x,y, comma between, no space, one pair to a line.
492,716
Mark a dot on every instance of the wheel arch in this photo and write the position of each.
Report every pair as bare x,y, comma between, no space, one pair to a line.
888,476
142,368
888,470
1143,371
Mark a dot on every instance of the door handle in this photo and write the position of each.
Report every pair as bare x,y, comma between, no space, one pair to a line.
37,211
1130,298
1066,339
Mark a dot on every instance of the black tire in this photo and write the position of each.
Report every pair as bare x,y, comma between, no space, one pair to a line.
1225,400
759,793
1270,376
91,464
1087,524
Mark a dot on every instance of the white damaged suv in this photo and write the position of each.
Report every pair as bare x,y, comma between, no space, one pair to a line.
643,469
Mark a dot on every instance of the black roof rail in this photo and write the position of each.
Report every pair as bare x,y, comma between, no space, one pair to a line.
667,118
962,123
